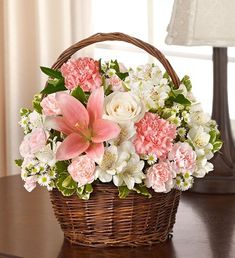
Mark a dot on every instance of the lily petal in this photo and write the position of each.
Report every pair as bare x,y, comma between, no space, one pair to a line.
72,110
71,147
95,151
95,104
104,130
58,123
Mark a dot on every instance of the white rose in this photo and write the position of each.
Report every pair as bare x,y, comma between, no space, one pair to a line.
123,107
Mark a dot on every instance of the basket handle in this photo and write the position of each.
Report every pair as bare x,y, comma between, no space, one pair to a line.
99,37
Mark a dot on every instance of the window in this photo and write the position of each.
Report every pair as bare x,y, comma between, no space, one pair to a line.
148,21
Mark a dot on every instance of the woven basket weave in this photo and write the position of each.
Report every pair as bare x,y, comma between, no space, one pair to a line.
104,219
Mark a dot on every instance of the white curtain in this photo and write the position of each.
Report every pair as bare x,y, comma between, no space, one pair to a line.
32,33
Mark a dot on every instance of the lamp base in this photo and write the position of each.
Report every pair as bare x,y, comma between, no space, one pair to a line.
215,185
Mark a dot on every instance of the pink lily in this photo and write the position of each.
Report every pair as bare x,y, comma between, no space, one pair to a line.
85,129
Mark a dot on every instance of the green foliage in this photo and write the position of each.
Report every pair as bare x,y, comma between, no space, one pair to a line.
213,136
18,162
180,99
36,103
114,65
51,72
54,86
62,166
84,192
142,189
186,81
25,112
215,140
69,183
217,145
79,94
66,191
123,191
55,81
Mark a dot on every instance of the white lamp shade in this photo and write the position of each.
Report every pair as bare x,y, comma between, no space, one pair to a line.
202,22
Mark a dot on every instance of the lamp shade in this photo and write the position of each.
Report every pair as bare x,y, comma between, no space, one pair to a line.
202,22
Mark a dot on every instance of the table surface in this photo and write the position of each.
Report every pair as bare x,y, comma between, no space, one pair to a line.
205,228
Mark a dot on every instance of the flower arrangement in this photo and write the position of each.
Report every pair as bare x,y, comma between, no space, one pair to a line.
98,121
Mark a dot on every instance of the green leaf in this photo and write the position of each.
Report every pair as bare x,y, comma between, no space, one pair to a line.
69,183
142,189
213,136
181,100
51,72
177,92
84,192
186,81
36,103
79,94
52,88
18,162
88,188
63,190
61,167
217,146
25,111
122,76
123,191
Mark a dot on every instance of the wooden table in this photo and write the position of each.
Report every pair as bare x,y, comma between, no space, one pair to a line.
205,228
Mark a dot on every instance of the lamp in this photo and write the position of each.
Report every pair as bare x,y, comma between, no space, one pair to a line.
211,22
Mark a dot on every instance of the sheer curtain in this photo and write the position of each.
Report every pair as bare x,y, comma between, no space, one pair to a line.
32,33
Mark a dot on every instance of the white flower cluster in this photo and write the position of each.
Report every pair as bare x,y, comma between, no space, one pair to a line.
122,165
38,165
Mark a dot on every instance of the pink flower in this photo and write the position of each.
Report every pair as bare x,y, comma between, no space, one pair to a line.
49,106
154,136
30,183
33,142
160,177
85,129
82,170
183,157
83,72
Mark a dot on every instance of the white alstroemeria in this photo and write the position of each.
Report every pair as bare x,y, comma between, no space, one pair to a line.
206,152
123,107
107,165
128,166
198,118
127,132
198,137
48,153
131,174
196,107
36,120
202,168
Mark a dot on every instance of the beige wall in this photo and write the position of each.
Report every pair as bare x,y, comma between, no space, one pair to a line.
2,93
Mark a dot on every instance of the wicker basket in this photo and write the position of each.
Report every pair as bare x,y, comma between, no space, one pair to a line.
106,220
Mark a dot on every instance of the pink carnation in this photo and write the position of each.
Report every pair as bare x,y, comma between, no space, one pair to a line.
160,177
33,142
154,135
50,106
183,157
82,170
83,72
